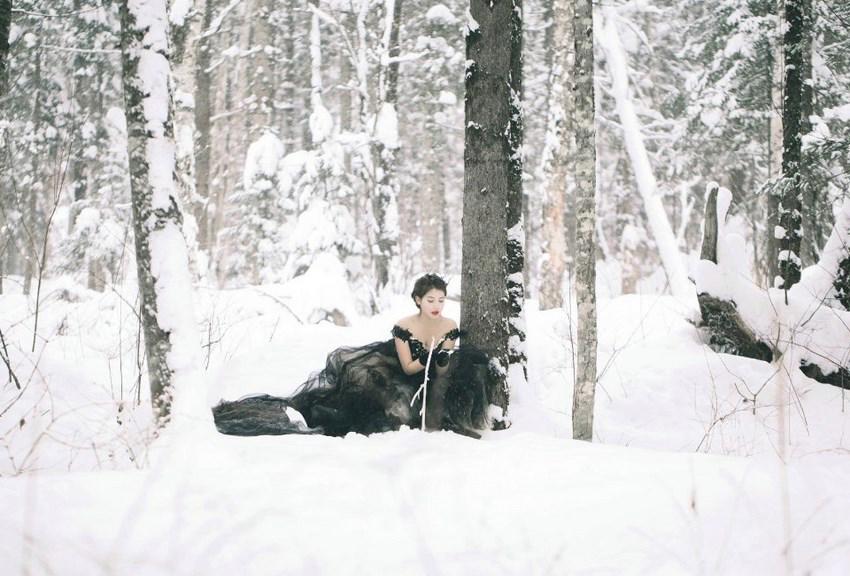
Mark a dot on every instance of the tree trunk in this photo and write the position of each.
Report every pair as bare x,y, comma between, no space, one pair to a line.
791,193
385,149
492,295
814,222
259,70
161,259
287,115
585,279
775,150
202,135
5,26
556,232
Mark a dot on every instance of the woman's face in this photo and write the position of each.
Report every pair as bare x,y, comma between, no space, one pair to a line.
431,304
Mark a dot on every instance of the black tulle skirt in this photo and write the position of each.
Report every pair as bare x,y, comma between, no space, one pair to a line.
363,389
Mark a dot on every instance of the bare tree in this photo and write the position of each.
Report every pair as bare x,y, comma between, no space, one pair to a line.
585,382
493,251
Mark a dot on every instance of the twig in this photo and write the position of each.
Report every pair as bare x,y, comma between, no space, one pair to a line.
5,355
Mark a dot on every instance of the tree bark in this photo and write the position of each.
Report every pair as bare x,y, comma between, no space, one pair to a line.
556,216
491,306
157,219
385,150
775,149
815,225
5,26
791,194
585,279
203,125
259,71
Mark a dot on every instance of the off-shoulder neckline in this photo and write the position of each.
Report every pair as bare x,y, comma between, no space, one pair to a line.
405,334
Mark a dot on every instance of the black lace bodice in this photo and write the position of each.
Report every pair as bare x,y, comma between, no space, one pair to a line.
417,347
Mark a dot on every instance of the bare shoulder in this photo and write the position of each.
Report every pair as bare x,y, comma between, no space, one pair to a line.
449,324
406,322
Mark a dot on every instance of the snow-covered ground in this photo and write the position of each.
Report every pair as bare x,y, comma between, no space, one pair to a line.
683,477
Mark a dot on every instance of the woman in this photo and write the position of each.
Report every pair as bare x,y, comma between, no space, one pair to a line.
373,388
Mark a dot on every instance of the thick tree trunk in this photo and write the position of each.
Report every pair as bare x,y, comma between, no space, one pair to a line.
161,263
491,307
791,199
585,279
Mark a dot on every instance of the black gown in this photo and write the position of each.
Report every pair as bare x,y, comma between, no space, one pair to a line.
364,389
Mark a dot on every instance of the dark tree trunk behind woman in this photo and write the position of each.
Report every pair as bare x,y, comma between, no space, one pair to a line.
493,251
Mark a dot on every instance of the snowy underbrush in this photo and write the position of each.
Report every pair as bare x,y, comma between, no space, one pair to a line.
527,500
83,402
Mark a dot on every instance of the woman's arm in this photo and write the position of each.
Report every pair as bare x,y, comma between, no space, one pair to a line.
446,344
409,364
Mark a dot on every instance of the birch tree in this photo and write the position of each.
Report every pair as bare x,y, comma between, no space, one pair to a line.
585,168
171,342
492,301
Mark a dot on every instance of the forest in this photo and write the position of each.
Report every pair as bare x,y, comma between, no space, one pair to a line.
642,210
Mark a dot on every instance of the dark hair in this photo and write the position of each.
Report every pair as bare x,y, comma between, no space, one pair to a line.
425,284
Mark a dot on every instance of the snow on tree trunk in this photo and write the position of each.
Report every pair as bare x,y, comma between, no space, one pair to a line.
385,149
789,231
186,26
5,26
260,93
719,315
557,151
171,339
492,293
803,323
321,122
659,223
585,171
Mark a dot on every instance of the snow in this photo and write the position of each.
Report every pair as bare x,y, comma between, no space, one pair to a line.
641,499
262,159
321,122
386,126
471,25
178,11
440,14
